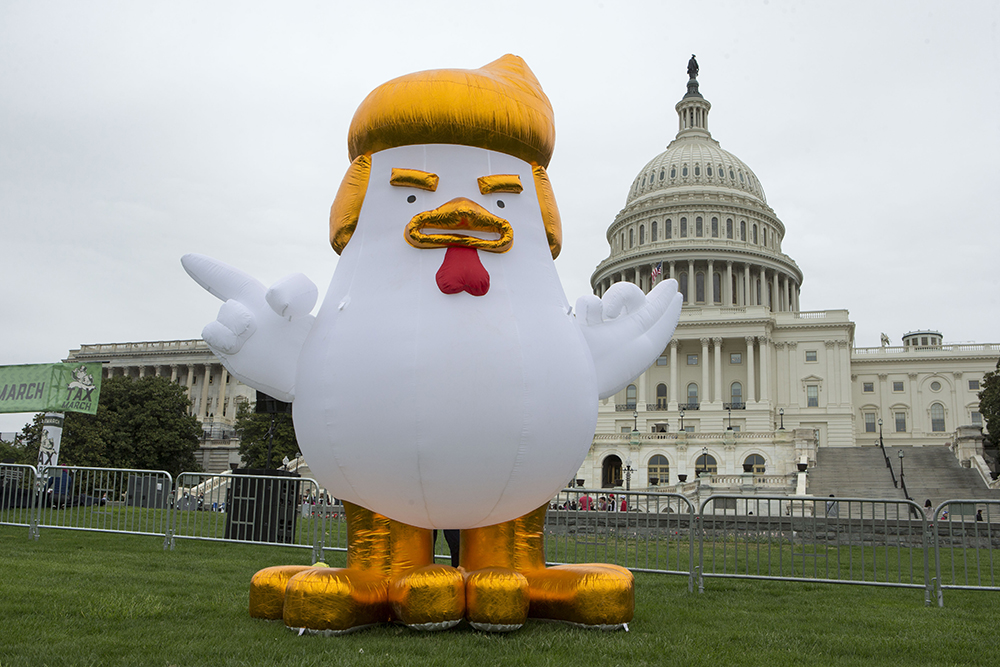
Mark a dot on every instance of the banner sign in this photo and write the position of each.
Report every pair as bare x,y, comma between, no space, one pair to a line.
48,448
50,387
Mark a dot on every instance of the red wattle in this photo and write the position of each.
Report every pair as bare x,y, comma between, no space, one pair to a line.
461,271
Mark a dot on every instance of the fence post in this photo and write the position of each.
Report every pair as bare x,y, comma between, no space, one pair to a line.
35,512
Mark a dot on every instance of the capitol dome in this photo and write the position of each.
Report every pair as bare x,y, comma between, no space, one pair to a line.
698,213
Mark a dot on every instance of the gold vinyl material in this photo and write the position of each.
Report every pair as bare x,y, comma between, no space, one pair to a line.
550,212
462,215
499,183
489,546
377,543
414,178
267,590
336,599
347,206
432,595
496,598
499,107
593,594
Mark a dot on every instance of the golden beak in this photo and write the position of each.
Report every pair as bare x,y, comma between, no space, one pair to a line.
460,215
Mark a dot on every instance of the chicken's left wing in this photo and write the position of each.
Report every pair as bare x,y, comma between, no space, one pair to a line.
627,330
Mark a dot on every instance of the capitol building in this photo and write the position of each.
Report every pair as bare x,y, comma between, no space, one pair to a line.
751,389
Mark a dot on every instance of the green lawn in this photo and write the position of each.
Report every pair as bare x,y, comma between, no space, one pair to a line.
84,598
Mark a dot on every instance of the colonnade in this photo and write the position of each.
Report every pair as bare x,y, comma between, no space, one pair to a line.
207,405
738,284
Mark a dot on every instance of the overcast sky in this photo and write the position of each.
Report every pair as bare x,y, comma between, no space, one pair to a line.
132,133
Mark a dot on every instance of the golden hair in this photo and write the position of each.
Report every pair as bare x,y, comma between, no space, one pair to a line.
499,107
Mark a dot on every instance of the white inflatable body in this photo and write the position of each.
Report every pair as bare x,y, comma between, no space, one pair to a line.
438,410
445,410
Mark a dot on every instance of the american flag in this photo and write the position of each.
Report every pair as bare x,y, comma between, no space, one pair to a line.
657,272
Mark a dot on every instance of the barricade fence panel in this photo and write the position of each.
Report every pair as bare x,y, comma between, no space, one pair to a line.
834,540
966,536
104,499
266,509
639,530
18,496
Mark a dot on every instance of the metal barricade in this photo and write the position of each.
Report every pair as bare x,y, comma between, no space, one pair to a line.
966,534
104,499
643,531
18,497
830,540
263,509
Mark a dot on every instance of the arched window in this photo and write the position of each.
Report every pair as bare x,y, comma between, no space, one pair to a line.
693,394
642,234
756,461
661,174
736,396
682,284
661,396
743,230
937,418
698,229
659,470
668,229
729,228
630,392
652,232
716,288
754,239
631,237
699,287
765,235
697,170
715,228
706,464
684,227
623,240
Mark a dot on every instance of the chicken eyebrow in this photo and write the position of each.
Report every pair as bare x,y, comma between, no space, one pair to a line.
500,183
414,178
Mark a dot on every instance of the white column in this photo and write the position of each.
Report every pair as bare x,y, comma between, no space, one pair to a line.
692,292
173,372
672,395
780,374
794,395
704,393
775,294
710,285
832,394
223,376
765,368
203,403
747,288
845,370
727,290
751,374
717,342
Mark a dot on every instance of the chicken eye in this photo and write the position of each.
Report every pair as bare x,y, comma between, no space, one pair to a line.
500,203
411,198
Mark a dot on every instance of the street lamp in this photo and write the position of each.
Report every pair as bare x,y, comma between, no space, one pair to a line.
628,474
730,427
781,414
682,419
635,420
901,465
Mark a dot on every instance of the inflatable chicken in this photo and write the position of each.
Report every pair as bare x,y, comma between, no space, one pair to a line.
445,381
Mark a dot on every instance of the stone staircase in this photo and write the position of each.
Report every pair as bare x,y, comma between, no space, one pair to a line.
931,472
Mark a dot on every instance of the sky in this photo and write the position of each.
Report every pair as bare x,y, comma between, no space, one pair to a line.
132,133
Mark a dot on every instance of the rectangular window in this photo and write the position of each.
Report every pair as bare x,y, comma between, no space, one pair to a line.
868,387
810,355
661,360
897,386
736,427
689,429
900,422
736,358
692,360
869,422
812,395
977,418
973,385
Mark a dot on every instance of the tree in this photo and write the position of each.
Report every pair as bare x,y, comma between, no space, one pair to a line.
989,404
140,424
24,449
253,431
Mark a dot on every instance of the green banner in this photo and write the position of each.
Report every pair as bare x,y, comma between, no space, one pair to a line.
50,388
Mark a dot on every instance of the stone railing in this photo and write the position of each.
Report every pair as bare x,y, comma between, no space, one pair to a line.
167,346
899,349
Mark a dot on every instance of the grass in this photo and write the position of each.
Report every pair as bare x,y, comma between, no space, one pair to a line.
84,598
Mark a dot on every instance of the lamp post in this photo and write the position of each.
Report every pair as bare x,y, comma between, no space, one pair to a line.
682,419
635,420
901,465
730,427
781,415
704,462
628,474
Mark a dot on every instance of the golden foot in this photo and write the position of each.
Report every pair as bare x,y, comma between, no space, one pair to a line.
496,599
